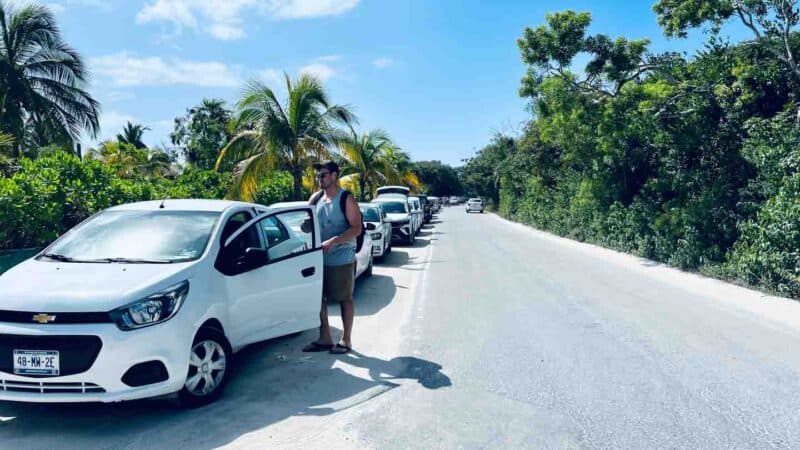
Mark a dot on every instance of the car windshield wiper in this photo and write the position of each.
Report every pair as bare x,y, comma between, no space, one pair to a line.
134,260
57,257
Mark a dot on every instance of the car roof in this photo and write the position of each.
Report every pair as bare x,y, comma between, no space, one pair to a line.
182,205
288,204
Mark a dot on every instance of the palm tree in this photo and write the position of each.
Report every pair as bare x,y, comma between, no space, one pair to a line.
132,134
366,159
41,79
272,135
403,169
157,163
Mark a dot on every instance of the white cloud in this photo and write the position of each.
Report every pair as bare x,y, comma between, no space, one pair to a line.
125,69
322,71
271,77
383,63
224,19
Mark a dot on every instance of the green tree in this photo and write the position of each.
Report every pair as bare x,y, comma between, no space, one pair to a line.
549,51
438,179
365,159
41,79
132,134
272,135
772,22
203,132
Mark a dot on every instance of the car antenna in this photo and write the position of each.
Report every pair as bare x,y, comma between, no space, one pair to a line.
161,206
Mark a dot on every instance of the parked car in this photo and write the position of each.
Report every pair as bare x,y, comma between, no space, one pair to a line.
382,233
364,259
401,190
154,298
426,207
475,204
416,213
398,213
436,203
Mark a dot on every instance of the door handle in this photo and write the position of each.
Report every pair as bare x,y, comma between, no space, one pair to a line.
308,271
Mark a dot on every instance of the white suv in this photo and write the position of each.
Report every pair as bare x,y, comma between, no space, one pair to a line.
475,204
154,298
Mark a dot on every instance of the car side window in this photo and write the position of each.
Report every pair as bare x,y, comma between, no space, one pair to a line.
234,223
288,233
273,231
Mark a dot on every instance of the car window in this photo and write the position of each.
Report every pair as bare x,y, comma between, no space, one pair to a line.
370,215
288,233
234,223
231,257
273,231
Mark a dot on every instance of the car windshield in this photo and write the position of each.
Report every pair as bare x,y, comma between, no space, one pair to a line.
394,207
370,215
137,236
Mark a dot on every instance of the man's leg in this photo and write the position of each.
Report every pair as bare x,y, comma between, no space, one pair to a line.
324,326
348,308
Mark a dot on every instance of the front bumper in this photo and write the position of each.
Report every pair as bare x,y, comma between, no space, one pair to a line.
401,233
102,382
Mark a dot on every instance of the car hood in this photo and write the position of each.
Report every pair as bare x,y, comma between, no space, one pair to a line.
44,286
398,217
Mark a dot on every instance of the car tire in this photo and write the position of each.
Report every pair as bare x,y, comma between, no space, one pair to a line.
215,340
410,241
388,249
368,272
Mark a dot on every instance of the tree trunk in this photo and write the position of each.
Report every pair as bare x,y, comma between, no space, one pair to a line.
361,185
297,176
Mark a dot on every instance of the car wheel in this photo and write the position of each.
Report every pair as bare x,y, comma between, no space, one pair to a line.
209,369
388,249
368,272
410,240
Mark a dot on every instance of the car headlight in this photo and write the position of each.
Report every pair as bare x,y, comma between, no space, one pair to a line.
153,309
376,236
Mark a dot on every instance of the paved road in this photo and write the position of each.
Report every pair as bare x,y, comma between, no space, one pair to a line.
549,344
488,334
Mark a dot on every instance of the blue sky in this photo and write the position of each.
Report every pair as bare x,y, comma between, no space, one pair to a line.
440,76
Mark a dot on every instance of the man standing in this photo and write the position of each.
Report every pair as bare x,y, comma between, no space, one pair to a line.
339,228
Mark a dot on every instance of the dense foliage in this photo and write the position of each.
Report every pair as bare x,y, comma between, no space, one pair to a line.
693,162
51,194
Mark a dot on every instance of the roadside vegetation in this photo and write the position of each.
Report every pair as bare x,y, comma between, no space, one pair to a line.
692,161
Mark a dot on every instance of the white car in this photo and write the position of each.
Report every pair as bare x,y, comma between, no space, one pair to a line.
378,227
154,298
364,258
475,204
398,214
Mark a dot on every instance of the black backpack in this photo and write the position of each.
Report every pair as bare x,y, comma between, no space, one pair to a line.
342,205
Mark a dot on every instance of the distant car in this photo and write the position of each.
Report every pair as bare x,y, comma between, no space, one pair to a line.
475,204
364,261
398,213
454,200
382,234
436,203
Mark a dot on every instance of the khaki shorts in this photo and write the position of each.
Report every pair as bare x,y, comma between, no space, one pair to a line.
337,283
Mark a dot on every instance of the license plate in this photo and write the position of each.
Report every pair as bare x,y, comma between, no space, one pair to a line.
36,362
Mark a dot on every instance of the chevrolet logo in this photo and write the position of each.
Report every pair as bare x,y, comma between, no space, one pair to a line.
44,318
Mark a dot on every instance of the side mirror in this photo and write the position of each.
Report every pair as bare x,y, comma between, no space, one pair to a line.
255,257
371,227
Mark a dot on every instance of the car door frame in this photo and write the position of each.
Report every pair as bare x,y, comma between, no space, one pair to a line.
305,315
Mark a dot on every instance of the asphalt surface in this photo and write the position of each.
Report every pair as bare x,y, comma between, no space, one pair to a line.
487,334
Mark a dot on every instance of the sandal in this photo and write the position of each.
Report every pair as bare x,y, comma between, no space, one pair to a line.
340,349
315,347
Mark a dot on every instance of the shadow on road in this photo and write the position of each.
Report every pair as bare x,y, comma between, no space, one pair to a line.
373,294
271,382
